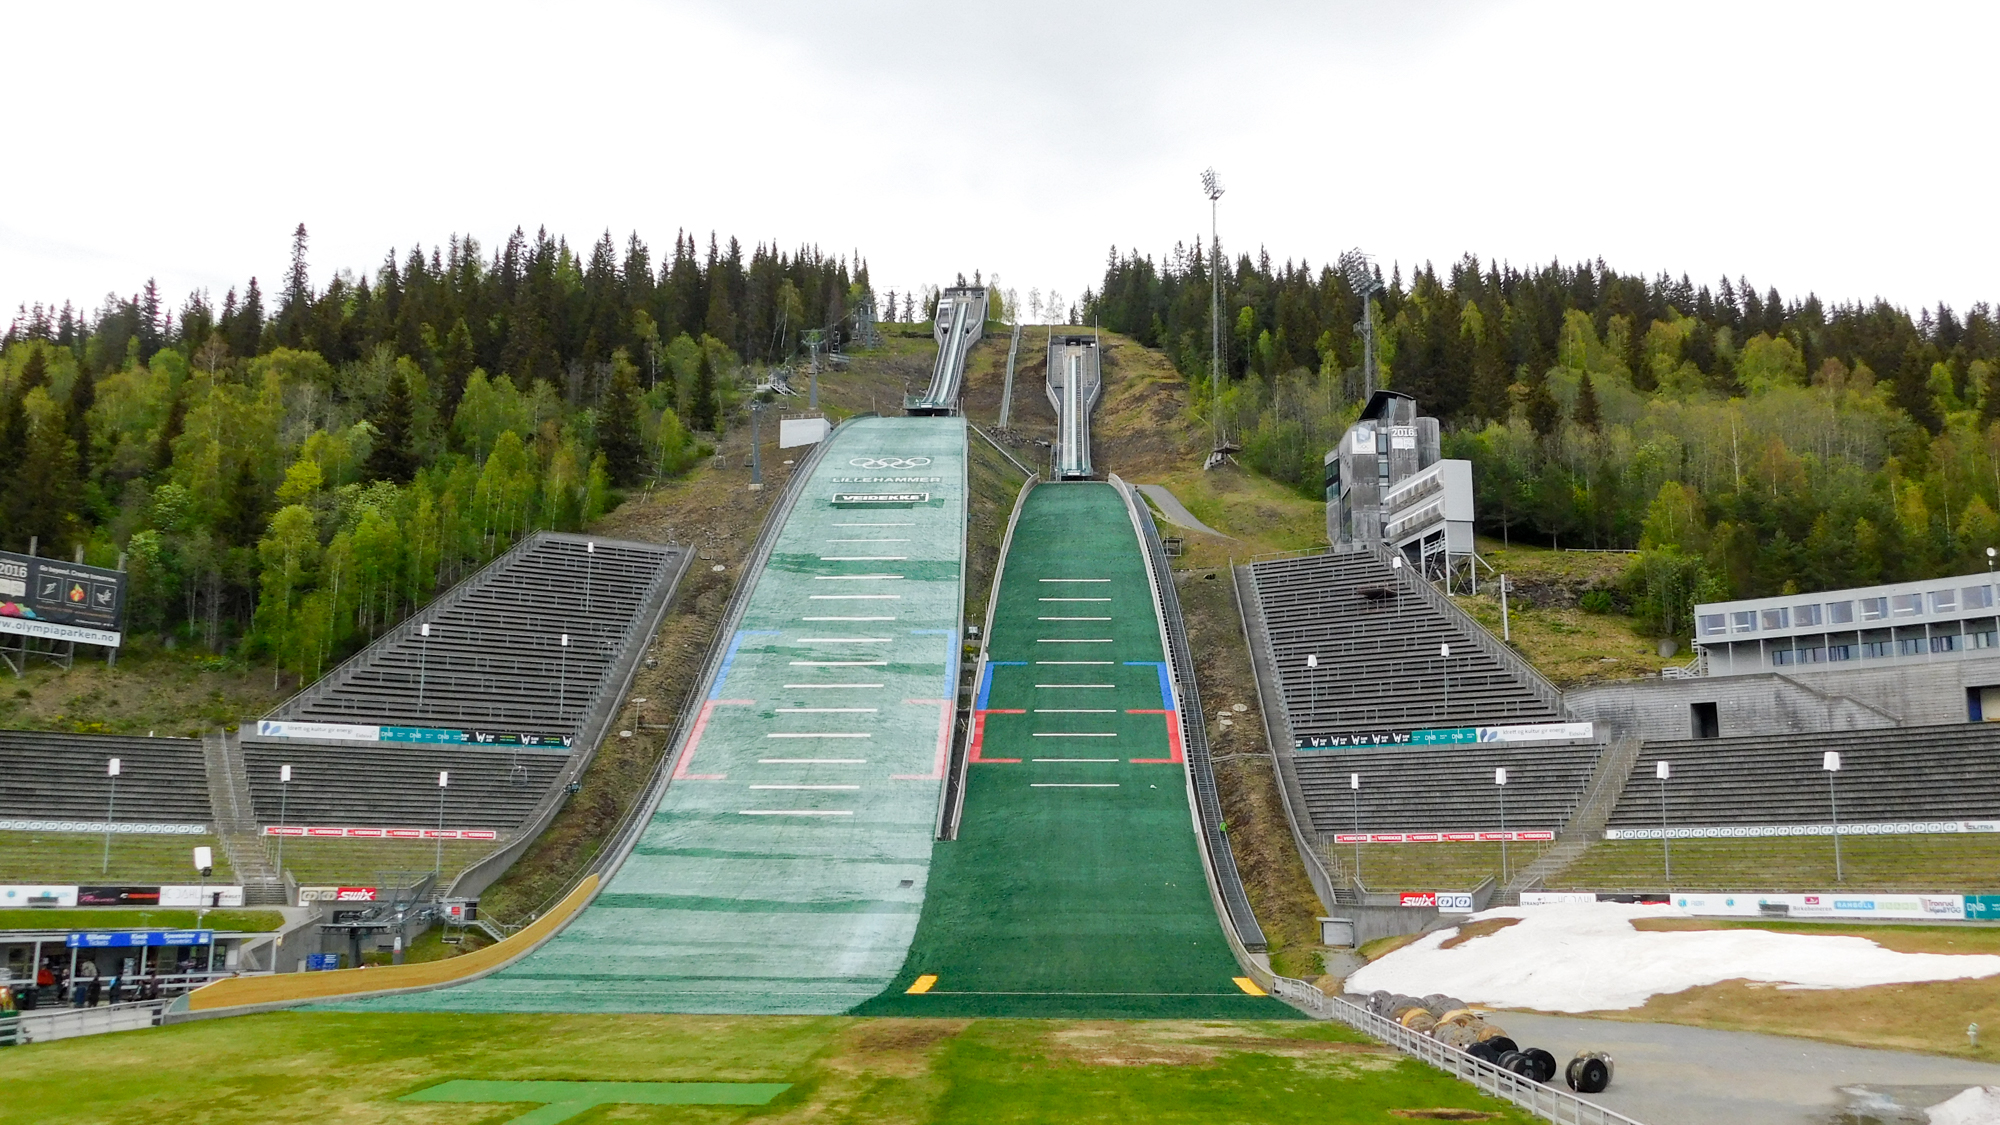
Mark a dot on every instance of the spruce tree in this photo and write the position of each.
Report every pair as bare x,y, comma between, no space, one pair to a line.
242,520
1544,413
393,457
455,361
1587,414
704,412
35,372
618,424
170,430
82,395
47,494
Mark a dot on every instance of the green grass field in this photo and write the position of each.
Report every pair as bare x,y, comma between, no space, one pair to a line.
1433,867
78,857
1954,862
365,862
1075,887
100,918
350,1067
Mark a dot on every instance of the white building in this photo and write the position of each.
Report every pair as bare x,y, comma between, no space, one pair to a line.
1903,622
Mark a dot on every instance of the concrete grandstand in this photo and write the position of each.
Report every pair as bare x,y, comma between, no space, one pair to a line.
492,697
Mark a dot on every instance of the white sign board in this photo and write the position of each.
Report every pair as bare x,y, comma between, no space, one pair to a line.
193,897
802,431
1536,732
33,894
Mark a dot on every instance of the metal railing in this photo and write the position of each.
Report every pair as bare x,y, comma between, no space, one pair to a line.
43,1025
1508,659
1194,730
1548,1102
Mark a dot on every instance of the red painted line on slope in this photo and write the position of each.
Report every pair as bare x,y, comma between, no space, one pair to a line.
979,733
943,743
694,740
1176,755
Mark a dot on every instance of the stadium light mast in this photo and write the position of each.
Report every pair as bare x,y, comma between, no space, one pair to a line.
112,769
284,802
1211,186
1500,783
1663,769
1359,272
1354,783
1312,682
444,780
1444,661
1830,762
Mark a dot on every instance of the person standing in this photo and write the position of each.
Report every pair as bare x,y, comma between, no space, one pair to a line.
86,978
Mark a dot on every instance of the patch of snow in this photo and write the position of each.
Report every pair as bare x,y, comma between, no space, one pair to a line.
1583,957
1979,1105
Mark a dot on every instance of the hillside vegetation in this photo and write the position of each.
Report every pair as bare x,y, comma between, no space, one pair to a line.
1746,444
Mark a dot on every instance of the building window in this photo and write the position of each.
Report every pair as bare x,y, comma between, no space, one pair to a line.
1781,656
1976,597
1777,618
1840,613
1910,646
1946,643
1907,605
1986,639
1804,615
1811,655
1743,621
1839,652
1710,625
1944,601
1874,609
1871,650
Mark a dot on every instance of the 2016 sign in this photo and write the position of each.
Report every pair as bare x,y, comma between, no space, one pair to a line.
61,601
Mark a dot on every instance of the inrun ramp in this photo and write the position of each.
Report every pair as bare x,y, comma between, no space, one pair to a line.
1073,385
785,863
1075,887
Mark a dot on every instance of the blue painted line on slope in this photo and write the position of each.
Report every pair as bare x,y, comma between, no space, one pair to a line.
986,686
729,657
1166,685
950,663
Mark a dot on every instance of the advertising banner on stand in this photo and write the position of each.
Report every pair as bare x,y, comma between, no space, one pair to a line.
36,894
118,896
1843,904
61,601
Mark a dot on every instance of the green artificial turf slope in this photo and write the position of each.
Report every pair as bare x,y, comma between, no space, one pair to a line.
1075,887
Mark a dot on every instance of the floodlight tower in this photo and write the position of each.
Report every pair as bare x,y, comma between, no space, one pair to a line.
1360,275
1211,186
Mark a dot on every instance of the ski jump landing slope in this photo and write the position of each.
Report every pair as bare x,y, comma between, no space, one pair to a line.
1076,886
785,864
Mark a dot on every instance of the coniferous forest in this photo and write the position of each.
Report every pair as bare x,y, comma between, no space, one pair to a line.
1745,443
296,470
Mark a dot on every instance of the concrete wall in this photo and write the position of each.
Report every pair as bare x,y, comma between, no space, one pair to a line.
1916,694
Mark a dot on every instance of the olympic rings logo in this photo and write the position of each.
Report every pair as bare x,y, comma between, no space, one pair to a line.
889,462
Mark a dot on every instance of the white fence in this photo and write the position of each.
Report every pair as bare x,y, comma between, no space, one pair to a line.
1555,1104
44,1025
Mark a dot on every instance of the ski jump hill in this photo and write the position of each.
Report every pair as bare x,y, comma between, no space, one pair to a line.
819,843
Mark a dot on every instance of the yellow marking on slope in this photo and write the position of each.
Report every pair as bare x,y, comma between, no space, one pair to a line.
922,986
1249,986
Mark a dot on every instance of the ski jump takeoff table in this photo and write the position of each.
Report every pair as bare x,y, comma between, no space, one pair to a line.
1075,887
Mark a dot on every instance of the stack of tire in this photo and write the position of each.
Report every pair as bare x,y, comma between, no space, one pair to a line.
1449,1021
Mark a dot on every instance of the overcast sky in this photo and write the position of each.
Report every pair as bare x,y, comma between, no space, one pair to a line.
1846,150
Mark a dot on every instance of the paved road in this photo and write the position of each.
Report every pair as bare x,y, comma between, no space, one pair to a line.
1175,511
1672,1075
